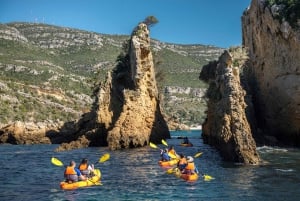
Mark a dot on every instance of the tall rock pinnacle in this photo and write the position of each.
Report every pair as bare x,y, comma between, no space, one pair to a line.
128,104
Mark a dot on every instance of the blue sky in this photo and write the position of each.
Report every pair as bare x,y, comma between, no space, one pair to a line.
208,22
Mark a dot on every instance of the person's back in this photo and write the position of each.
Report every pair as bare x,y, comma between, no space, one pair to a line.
85,168
182,162
190,167
172,151
186,140
165,156
72,174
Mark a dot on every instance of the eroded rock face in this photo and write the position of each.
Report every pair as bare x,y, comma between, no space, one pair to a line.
126,112
274,71
30,133
128,103
226,126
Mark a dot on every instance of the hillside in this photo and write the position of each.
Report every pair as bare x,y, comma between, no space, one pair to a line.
47,73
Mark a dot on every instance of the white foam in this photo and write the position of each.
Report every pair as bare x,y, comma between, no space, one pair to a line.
269,149
285,170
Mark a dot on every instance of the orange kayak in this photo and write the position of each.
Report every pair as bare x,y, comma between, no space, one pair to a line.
186,144
187,177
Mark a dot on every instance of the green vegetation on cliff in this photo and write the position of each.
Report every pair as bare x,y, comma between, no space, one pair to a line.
289,10
47,73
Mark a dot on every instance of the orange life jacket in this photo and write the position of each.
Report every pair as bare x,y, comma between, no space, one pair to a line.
83,167
182,161
190,166
70,170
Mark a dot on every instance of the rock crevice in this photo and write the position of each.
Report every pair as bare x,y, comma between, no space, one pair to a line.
227,126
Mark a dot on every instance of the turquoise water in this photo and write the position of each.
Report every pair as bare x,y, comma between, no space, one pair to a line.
27,174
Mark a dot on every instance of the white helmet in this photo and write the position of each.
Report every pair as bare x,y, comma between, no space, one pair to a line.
189,159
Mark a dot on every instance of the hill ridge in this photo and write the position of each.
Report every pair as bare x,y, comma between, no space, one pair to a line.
70,61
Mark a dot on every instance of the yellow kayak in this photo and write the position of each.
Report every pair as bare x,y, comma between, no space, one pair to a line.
168,163
95,180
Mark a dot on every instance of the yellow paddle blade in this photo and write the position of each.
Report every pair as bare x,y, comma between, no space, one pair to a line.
207,177
198,154
153,145
104,158
164,142
56,162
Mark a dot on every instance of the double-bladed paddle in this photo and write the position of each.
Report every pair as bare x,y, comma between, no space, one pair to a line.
154,146
102,159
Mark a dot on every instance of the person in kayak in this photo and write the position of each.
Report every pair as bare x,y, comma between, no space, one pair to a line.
164,155
172,153
182,162
186,140
86,169
73,174
190,168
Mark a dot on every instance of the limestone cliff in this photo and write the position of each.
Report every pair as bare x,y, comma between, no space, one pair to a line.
227,127
128,102
32,133
126,112
274,70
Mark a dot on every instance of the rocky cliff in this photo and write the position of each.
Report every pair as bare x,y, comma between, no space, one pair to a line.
227,126
127,111
274,70
128,103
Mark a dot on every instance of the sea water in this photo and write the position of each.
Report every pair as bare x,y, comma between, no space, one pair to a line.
27,174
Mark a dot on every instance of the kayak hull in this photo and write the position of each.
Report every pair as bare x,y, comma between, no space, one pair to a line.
168,163
95,180
186,144
187,177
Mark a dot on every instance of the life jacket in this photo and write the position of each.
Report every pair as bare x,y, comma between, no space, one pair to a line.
70,174
172,152
83,169
70,171
182,161
165,157
190,166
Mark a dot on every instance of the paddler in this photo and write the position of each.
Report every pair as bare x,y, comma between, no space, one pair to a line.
164,155
73,174
182,162
85,168
172,153
190,168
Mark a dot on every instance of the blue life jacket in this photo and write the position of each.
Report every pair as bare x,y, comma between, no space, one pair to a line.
165,156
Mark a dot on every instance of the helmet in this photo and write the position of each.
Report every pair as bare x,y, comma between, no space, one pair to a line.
189,159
